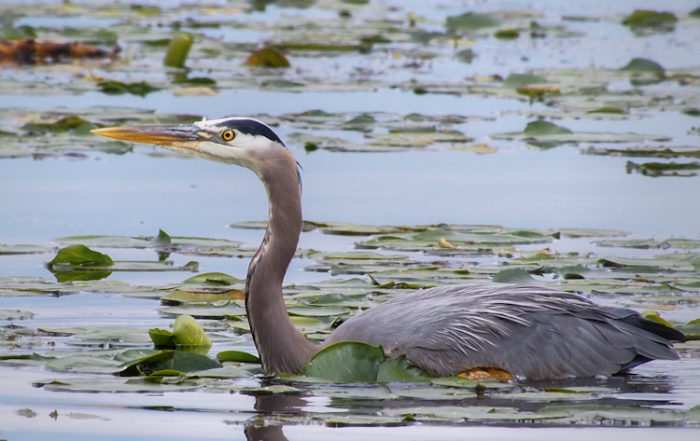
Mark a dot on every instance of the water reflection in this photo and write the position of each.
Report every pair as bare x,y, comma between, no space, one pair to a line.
272,405
614,401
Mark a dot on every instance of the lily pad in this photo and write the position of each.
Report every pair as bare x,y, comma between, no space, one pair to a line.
187,332
397,369
548,134
659,21
24,249
237,356
346,362
113,87
267,57
470,22
658,169
78,256
169,359
643,65
178,50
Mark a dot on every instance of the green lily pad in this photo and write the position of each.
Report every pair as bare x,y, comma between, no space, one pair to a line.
470,22
661,151
513,275
507,34
643,65
216,311
15,314
187,332
113,87
660,21
221,372
657,169
544,128
346,362
24,249
178,50
690,329
214,279
516,80
162,337
182,296
654,316
549,134
78,256
115,384
168,359
237,356
84,364
397,369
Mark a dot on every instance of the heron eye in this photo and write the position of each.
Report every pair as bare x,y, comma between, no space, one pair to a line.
228,135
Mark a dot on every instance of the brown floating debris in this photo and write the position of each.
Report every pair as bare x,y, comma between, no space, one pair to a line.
30,51
267,57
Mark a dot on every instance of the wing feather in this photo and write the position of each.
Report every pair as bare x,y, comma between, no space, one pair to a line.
531,332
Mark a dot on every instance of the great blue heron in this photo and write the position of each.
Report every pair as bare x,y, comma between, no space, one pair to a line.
530,332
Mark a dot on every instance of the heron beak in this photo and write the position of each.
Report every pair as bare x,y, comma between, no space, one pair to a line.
185,136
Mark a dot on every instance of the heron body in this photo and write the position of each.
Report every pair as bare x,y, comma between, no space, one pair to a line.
530,332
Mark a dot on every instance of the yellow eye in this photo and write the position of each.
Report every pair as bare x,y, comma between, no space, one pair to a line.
228,135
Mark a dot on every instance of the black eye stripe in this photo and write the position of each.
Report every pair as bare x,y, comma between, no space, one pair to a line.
251,127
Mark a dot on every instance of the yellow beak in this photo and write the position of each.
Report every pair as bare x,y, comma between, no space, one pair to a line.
185,135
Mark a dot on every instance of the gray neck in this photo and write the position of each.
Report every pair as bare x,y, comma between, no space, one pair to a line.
281,346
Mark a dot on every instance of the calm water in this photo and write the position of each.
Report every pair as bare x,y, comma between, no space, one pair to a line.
522,187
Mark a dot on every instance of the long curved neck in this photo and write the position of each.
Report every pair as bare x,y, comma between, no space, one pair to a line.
281,346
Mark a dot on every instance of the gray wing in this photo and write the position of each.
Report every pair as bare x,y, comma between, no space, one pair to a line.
531,332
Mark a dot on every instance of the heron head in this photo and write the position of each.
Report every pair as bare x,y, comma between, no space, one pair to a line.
242,141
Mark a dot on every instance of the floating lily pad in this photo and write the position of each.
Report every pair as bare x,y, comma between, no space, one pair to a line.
24,249
237,356
169,359
113,87
643,65
661,151
548,134
267,57
658,169
214,279
646,19
397,369
470,22
346,362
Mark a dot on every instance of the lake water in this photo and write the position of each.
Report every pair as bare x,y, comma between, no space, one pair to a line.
57,191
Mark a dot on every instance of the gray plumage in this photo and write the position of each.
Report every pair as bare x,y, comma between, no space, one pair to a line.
531,332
